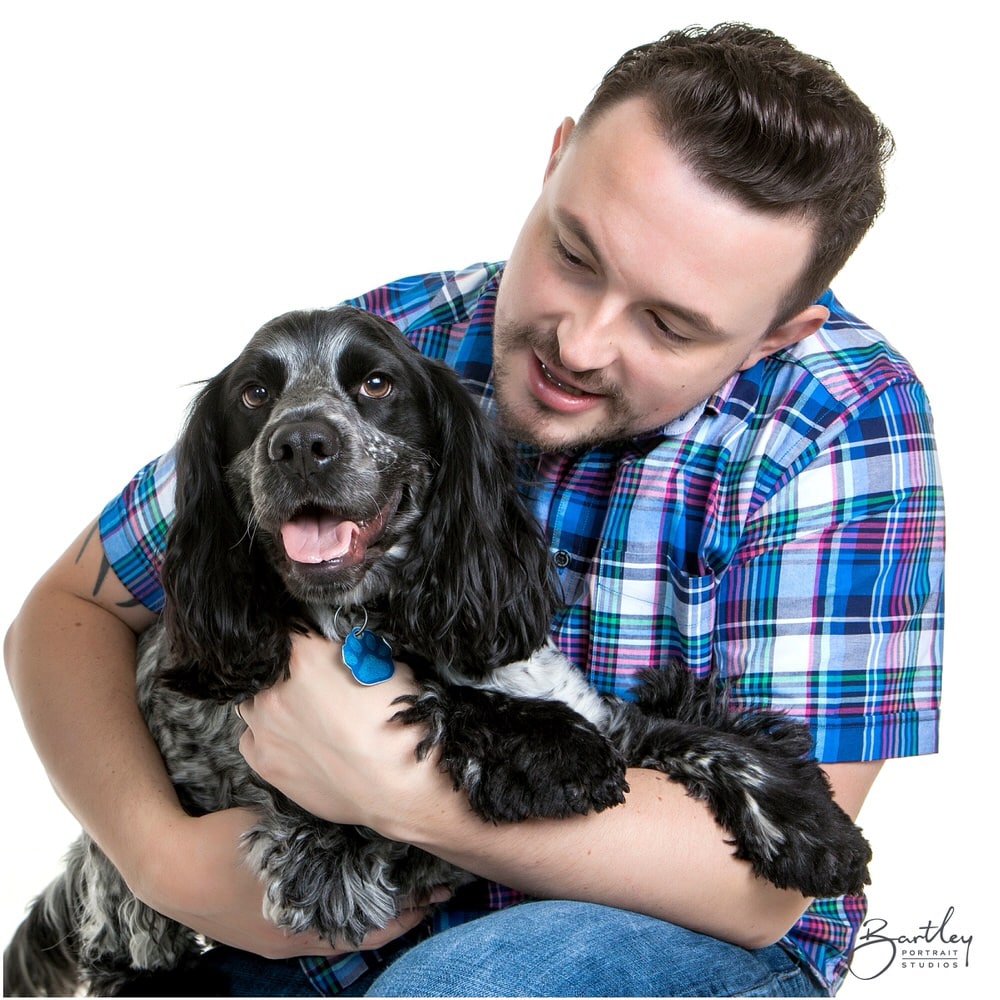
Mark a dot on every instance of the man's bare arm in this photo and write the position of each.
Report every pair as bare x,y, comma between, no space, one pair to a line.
70,656
661,853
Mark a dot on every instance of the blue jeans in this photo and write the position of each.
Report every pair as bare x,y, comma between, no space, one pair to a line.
562,948
556,948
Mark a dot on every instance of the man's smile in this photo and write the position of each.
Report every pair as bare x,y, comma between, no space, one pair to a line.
556,391
565,386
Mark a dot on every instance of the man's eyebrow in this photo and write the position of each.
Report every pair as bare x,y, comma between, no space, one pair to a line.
698,321
693,318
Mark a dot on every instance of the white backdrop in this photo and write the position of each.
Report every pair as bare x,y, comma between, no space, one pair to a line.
175,174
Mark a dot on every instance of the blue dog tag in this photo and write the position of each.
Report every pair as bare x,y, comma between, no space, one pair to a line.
368,656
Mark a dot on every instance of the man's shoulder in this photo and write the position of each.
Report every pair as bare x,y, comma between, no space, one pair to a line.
822,383
845,383
846,361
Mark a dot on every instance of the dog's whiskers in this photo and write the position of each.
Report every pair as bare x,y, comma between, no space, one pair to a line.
250,531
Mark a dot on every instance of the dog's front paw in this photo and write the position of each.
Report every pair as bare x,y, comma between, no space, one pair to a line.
785,822
429,709
517,757
775,805
821,853
553,763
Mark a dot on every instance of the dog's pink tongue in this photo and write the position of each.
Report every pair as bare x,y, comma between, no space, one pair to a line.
317,537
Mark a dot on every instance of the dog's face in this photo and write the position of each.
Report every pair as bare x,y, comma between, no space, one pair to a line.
329,428
332,465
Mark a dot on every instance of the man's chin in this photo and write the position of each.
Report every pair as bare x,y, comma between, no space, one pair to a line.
560,434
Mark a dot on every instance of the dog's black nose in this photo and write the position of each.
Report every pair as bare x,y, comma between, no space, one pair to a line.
303,447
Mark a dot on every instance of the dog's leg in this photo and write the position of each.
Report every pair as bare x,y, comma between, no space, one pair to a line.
524,742
751,770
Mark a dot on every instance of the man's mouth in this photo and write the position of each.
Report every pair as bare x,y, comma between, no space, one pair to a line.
556,392
559,384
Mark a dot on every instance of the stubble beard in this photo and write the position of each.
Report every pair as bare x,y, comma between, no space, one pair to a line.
528,420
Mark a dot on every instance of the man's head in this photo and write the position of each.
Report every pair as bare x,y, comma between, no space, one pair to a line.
713,186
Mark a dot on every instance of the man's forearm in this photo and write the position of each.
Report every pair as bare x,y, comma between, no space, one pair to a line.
660,853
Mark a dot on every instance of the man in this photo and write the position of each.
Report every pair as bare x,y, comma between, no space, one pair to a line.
730,469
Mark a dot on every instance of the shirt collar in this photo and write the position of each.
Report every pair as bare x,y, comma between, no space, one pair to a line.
679,426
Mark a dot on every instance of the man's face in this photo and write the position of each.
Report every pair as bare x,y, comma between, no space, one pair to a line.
634,291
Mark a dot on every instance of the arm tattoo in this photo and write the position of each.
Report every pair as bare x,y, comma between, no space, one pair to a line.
102,572
86,542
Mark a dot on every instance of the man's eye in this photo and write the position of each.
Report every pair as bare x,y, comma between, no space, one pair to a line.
666,330
255,396
566,254
376,386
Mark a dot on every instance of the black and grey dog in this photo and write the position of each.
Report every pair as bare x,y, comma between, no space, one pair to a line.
333,478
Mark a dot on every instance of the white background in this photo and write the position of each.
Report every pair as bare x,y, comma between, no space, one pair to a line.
175,174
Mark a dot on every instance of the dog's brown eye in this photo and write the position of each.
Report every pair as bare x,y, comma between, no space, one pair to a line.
255,396
376,386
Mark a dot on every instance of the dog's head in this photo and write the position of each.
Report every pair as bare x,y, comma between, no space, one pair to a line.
331,464
331,426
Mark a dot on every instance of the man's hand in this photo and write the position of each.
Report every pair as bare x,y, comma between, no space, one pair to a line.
326,741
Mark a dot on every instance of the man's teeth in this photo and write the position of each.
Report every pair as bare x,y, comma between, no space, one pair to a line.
572,390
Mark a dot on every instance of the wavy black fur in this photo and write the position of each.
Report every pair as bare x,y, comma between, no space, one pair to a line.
226,611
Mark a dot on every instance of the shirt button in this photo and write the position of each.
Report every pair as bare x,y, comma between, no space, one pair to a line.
561,559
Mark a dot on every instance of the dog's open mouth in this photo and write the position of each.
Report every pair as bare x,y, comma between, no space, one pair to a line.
316,536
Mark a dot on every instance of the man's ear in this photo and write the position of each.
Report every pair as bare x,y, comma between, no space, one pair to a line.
559,142
800,326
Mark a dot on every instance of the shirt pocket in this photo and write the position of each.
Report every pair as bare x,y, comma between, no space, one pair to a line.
648,612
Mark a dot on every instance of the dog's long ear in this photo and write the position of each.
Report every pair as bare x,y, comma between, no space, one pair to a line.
479,581
223,610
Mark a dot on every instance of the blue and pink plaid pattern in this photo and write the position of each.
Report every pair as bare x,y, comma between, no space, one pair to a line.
788,534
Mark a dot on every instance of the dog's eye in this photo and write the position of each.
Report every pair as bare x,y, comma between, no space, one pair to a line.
376,386
255,396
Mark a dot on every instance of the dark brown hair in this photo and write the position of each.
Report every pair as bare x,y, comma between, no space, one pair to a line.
760,121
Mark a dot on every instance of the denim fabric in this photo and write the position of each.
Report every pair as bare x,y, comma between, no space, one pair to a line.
562,948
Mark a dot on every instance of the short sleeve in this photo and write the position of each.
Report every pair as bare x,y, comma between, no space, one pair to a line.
134,530
833,607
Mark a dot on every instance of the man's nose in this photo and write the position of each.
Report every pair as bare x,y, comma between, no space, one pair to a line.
588,340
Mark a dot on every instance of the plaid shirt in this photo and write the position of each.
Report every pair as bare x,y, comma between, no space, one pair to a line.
788,533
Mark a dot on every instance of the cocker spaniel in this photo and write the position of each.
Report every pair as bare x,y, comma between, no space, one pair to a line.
333,478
